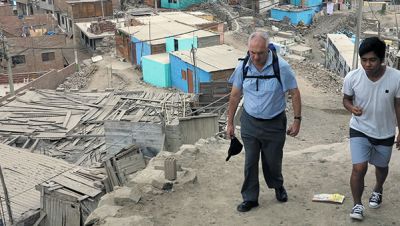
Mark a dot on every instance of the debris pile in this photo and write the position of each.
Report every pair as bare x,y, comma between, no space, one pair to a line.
319,76
106,46
78,80
101,26
70,126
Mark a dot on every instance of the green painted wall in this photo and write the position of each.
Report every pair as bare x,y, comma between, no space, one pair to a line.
156,73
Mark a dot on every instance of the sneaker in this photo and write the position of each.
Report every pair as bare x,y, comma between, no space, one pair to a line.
357,212
375,200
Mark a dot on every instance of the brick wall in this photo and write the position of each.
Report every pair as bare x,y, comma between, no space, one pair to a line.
6,10
50,80
33,49
20,77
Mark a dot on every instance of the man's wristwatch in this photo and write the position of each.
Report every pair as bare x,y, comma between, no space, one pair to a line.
297,117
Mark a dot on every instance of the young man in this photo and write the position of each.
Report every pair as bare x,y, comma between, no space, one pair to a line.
263,121
372,95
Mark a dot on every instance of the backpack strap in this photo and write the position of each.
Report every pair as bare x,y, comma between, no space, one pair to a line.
245,68
275,63
275,66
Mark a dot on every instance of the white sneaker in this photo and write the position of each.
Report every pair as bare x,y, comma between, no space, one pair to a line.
375,200
357,212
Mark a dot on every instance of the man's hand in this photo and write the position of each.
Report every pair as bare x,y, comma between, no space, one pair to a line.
357,111
294,128
398,142
230,131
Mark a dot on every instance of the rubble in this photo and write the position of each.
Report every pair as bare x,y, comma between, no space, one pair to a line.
102,26
319,76
70,126
79,80
101,213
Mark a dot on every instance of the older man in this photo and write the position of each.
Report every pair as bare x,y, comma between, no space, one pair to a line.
263,83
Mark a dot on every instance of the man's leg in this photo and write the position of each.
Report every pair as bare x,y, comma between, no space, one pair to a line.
251,187
357,181
381,175
380,159
271,158
360,149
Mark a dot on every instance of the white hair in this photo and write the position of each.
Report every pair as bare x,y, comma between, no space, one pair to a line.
259,34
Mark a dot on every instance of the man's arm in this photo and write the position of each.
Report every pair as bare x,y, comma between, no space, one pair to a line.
234,100
397,110
348,104
296,103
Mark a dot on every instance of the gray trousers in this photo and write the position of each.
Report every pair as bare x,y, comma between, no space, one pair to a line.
268,138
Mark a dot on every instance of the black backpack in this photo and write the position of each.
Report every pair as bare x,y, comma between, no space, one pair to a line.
275,66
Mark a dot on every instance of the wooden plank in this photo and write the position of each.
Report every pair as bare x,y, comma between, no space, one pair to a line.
66,120
76,186
111,174
42,216
79,179
121,114
32,148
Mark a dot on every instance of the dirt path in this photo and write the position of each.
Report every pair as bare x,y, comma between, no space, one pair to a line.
317,161
309,167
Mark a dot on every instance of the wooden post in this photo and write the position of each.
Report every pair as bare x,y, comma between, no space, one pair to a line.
3,183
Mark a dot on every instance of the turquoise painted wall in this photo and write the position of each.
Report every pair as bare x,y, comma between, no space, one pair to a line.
156,73
177,65
308,3
295,16
183,44
179,4
142,49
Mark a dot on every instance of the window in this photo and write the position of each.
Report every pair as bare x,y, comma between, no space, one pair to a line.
183,74
62,20
48,56
19,59
176,45
50,2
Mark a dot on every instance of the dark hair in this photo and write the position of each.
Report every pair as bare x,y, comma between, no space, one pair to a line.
373,44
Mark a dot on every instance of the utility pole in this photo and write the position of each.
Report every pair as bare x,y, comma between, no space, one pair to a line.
193,50
3,184
9,61
102,8
74,38
397,32
155,7
357,41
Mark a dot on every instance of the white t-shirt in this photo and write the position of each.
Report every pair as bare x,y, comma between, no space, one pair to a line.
378,118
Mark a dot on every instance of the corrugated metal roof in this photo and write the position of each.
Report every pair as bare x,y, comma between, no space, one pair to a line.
213,58
181,17
159,30
23,170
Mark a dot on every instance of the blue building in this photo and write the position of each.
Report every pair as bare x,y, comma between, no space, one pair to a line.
205,65
150,39
295,15
298,11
